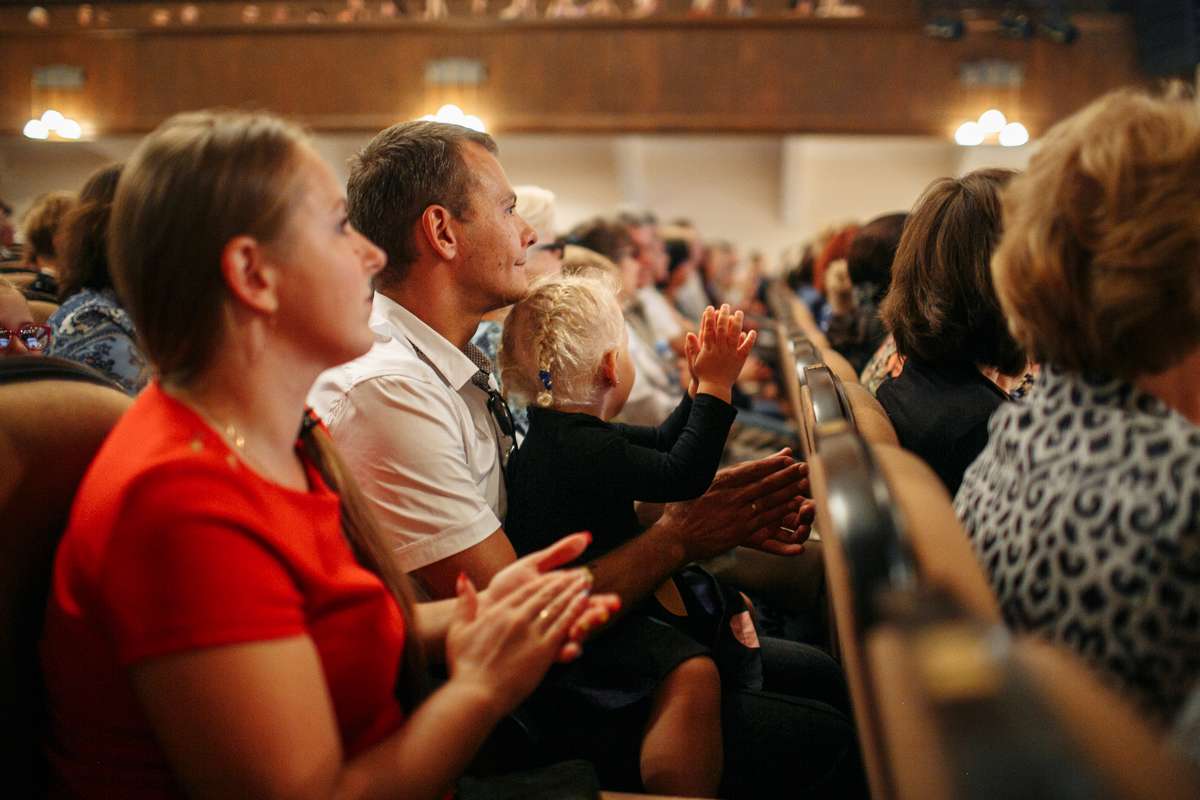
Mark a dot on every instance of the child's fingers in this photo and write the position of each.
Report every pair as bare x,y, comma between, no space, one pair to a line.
691,347
708,326
723,321
747,343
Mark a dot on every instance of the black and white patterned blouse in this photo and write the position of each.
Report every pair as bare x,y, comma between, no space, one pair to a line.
1084,508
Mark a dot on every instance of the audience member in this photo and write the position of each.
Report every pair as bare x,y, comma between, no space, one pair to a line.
40,231
1084,506
413,418
536,206
91,326
655,390
19,335
9,253
857,332
225,620
565,354
944,316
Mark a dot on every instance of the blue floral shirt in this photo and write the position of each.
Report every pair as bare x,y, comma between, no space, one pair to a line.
93,329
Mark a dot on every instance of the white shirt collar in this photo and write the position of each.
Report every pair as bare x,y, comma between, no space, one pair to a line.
447,359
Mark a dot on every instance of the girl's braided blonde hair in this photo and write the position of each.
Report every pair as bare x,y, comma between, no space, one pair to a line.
555,338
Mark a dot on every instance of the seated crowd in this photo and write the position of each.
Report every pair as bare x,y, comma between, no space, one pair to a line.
417,485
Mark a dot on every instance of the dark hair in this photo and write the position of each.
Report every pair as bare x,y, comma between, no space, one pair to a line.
678,252
193,184
942,307
609,238
83,237
873,250
404,170
5,207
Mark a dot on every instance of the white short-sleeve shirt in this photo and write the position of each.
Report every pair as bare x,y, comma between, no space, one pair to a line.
418,437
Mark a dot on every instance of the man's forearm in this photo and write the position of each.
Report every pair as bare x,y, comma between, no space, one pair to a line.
635,569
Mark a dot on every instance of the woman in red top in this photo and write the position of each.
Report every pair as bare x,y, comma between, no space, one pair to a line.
225,620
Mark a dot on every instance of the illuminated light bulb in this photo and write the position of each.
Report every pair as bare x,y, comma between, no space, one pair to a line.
36,129
969,134
52,119
474,123
160,17
250,14
992,121
39,17
451,113
69,129
86,15
1014,135
189,14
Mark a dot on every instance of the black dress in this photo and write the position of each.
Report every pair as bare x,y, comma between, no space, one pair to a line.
941,413
575,472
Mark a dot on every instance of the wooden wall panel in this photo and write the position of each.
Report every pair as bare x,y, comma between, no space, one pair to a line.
759,75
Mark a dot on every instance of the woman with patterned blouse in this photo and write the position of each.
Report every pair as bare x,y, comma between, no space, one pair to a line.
91,326
1085,504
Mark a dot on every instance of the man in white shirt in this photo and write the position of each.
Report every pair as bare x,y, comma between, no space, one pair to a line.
413,417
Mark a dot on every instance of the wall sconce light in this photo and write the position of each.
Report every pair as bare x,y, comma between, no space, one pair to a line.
52,122
454,115
991,123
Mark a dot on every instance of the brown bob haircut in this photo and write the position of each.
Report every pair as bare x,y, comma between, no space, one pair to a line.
941,307
1099,268
83,238
404,170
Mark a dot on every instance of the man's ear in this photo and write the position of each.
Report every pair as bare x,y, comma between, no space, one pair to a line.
252,278
608,369
437,226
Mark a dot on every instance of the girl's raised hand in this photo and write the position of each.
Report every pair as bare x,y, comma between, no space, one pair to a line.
724,348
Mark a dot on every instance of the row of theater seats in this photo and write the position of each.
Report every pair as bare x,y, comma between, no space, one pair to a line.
53,416
947,703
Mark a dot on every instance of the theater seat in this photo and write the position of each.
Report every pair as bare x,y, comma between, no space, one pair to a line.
869,417
21,278
866,556
838,365
967,712
53,416
944,558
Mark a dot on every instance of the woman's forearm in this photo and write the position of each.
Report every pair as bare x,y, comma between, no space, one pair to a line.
431,622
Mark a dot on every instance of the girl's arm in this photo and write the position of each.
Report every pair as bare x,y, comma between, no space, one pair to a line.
256,719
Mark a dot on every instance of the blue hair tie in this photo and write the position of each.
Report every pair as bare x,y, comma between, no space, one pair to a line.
545,376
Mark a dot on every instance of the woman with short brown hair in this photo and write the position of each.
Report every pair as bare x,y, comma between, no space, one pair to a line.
945,318
1085,505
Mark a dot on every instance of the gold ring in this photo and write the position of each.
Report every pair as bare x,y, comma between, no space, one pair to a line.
543,615
754,507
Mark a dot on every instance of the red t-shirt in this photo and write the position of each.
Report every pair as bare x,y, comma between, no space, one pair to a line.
175,545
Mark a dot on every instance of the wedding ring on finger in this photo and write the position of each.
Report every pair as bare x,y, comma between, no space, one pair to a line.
544,614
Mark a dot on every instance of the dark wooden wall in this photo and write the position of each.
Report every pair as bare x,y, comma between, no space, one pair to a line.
878,74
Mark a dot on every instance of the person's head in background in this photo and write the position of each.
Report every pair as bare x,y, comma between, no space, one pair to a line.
8,231
1099,268
83,239
643,228
19,334
942,308
537,207
680,264
834,244
40,229
611,240
872,251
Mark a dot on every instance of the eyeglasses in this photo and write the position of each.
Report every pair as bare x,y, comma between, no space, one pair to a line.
36,338
504,421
